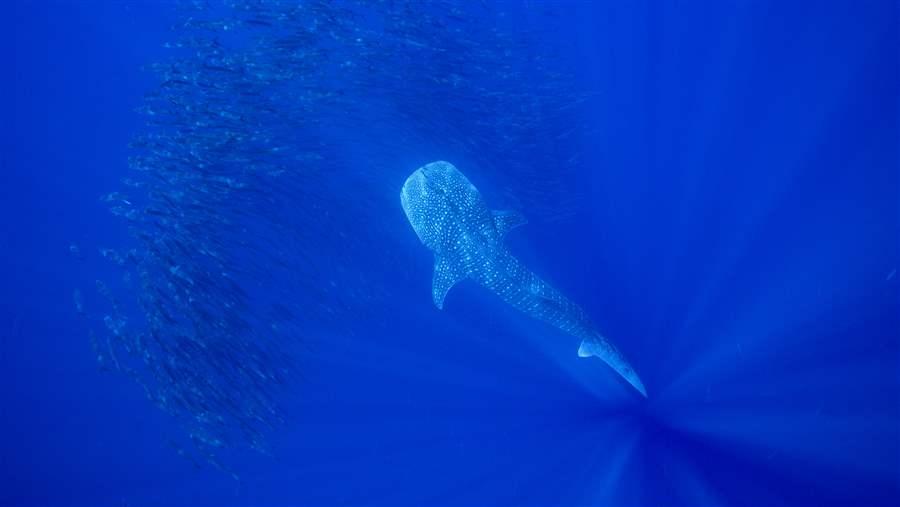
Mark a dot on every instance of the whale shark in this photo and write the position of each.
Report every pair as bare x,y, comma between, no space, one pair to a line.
452,219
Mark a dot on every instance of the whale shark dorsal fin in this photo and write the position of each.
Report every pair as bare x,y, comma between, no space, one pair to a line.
446,274
506,220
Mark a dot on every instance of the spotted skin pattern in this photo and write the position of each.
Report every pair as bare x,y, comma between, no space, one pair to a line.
450,217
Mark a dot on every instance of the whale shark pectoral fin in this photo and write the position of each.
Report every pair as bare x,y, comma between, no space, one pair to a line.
598,346
446,274
506,220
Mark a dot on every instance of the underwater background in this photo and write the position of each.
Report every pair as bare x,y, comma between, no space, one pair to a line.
211,295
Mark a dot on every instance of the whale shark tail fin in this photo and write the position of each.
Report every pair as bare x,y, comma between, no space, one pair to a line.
599,347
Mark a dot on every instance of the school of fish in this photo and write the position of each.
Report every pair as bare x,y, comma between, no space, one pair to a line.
235,188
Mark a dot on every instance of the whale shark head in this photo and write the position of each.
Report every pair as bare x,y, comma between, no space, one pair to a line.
435,198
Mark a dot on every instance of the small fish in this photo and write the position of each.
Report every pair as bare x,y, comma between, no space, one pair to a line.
79,302
75,251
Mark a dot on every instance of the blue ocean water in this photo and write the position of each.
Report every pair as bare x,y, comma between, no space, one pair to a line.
717,185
